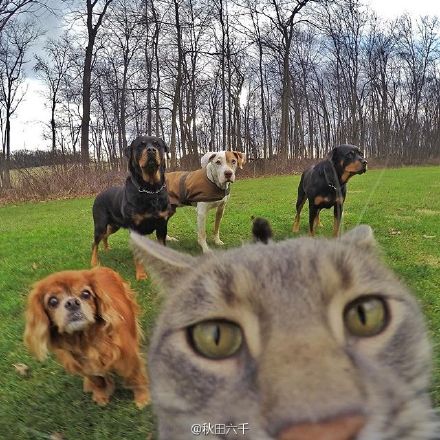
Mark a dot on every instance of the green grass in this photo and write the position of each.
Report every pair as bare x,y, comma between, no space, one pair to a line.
402,206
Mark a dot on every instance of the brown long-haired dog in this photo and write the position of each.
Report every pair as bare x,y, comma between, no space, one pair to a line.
88,319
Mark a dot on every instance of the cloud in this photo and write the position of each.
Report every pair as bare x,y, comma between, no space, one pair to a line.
27,124
394,8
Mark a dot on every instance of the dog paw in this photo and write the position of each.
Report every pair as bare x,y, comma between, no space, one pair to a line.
101,399
140,276
87,386
140,271
206,249
142,399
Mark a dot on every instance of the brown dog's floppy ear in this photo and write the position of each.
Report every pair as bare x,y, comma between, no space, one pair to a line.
108,287
241,158
37,331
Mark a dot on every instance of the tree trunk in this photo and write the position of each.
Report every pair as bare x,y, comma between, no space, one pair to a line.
283,142
177,89
92,30
52,123
7,165
85,121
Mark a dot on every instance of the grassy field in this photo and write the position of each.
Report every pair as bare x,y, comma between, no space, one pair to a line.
402,206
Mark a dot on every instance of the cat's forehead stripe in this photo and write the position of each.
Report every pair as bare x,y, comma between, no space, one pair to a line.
345,271
226,280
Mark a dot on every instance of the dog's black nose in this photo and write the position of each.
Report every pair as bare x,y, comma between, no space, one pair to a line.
228,174
72,304
364,161
151,150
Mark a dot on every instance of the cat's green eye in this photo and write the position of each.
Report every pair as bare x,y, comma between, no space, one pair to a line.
216,339
366,316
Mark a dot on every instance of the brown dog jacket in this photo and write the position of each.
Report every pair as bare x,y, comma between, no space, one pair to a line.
188,187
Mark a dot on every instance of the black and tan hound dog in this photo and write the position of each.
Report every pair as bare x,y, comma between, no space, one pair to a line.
324,185
141,204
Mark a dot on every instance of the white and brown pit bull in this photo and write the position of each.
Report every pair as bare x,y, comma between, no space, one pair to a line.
206,188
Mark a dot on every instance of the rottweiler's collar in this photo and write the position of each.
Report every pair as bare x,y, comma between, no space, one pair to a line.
144,190
152,192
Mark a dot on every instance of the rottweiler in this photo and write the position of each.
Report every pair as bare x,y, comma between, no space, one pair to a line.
141,204
324,185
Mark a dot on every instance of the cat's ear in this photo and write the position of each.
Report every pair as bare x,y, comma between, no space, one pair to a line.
165,263
362,237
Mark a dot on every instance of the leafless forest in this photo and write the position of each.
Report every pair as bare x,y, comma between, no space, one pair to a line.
280,80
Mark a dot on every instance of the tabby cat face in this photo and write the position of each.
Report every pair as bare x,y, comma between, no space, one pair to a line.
304,339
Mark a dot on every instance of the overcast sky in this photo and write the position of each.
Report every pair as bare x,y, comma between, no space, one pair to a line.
32,114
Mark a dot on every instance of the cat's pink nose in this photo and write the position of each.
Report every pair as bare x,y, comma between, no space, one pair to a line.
341,428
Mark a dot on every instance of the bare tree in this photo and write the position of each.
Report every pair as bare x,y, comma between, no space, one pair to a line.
92,31
152,32
257,36
122,40
178,83
52,70
417,48
14,44
283,20
11,8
